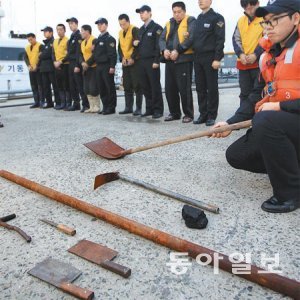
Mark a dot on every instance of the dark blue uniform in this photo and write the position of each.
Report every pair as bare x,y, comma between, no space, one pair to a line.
209,39
149,53
47,71
76,79
105,56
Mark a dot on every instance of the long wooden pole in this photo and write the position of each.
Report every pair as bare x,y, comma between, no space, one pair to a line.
274,282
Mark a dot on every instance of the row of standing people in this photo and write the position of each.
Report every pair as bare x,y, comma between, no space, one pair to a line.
82,67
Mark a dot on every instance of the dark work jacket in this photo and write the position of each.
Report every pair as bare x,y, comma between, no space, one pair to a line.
74,46
149,41
46,62
209,35
105,51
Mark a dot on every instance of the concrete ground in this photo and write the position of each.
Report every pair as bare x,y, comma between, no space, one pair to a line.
47,146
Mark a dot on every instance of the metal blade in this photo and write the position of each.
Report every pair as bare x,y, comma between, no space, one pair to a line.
55,272
106,148
49,222
105,178
93,252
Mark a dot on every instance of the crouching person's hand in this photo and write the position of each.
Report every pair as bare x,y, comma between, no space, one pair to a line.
223,134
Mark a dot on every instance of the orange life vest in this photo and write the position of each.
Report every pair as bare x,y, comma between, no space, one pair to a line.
281,74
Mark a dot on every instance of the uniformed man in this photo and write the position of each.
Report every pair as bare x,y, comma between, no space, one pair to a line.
60,51
175,45
47,70
128,54
32,52
75,69
105,56
272,145
149,68
245,40
209,39
89,73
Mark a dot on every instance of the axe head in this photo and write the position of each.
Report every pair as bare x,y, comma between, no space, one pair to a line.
105,178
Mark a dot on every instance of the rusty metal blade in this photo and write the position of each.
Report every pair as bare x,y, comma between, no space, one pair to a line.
55,272
105,178
106,148
93,252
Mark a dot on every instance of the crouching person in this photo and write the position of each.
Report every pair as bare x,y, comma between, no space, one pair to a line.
89,72
272,146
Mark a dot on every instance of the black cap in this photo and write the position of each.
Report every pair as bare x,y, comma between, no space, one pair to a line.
101,21
47,28
72,20
277,7
143,8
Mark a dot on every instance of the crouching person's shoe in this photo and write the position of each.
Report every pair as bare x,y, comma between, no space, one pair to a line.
273,205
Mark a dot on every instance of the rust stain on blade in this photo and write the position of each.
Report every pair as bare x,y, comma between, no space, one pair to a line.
105,178
93,252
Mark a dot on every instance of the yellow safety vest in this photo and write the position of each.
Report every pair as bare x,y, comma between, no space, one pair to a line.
250,33
33,54
86,49
126,42
182,30
61,48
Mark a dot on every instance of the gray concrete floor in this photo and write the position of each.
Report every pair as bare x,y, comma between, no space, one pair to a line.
46,146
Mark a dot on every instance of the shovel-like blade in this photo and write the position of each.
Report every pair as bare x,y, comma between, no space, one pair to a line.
106,148
105,178
55,272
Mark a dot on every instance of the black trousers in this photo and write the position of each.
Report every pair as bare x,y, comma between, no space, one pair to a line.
106,87
179,85
272,147
62,78
48,79
207,86
36,86
247,80
76,86
90,82
151,87
132,86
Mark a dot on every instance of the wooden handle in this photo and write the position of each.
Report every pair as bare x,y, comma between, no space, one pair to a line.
116,268
66,229
76,291
241,125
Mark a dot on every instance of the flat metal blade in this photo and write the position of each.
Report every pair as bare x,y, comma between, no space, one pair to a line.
49,222
105,148
105,178
55,272
93,252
